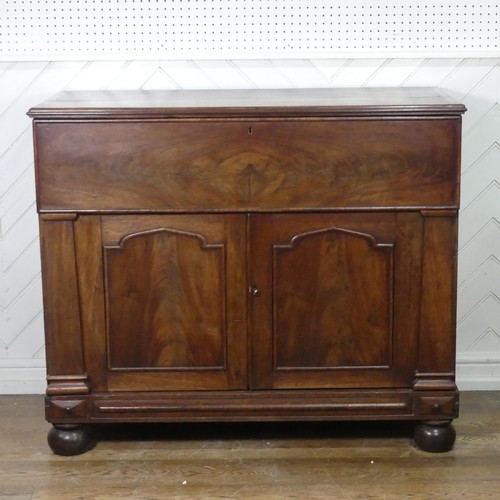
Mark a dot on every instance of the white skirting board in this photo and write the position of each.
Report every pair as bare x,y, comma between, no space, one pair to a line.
21,376
478,373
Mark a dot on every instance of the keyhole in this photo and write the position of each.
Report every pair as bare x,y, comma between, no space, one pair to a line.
250,130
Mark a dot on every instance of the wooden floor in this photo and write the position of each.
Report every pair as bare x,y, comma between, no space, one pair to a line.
300,461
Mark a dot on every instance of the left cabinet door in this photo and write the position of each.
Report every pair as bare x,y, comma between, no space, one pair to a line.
162,301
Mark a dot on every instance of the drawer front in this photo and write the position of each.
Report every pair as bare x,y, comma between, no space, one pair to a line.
247,165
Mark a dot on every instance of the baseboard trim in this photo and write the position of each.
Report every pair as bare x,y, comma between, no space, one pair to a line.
22,376
478,372
28,376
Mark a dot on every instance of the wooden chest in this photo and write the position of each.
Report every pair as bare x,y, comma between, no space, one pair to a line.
249,255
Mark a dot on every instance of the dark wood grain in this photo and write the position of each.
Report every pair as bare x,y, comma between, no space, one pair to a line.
255,102
220,166
327,317
174,315
438,316
168,283
65,363
88,246
250,255
336,309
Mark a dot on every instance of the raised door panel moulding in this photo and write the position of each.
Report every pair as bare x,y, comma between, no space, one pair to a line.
31,29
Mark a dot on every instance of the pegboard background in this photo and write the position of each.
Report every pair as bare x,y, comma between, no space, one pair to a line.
213,29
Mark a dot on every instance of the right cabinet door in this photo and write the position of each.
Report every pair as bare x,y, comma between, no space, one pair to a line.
334,299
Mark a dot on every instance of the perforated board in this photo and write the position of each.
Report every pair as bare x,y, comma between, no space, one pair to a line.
187,29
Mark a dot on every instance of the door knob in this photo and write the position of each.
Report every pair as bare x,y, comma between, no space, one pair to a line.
254,291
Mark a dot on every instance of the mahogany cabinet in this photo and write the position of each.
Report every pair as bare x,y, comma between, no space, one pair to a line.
249,255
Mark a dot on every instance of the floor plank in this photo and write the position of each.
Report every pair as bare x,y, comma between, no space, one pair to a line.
248,461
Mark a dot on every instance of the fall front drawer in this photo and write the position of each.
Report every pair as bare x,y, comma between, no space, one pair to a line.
246,165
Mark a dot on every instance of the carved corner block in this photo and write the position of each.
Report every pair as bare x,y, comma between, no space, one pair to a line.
436,405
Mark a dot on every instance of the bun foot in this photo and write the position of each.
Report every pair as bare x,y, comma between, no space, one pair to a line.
69,439
435,436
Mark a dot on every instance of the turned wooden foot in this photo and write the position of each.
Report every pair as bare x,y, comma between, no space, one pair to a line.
435,436
69,439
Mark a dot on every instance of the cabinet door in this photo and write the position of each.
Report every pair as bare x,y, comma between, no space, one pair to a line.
334,299
173,301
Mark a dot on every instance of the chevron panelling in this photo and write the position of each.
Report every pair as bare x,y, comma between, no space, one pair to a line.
474,81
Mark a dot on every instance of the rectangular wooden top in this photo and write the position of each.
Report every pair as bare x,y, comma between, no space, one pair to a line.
248,103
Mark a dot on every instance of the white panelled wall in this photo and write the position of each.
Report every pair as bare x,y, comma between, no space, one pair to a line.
476,82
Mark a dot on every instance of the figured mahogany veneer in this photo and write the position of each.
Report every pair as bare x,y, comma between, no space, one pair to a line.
249,255
246,165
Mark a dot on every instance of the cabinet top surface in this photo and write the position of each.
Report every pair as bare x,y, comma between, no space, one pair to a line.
254,102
